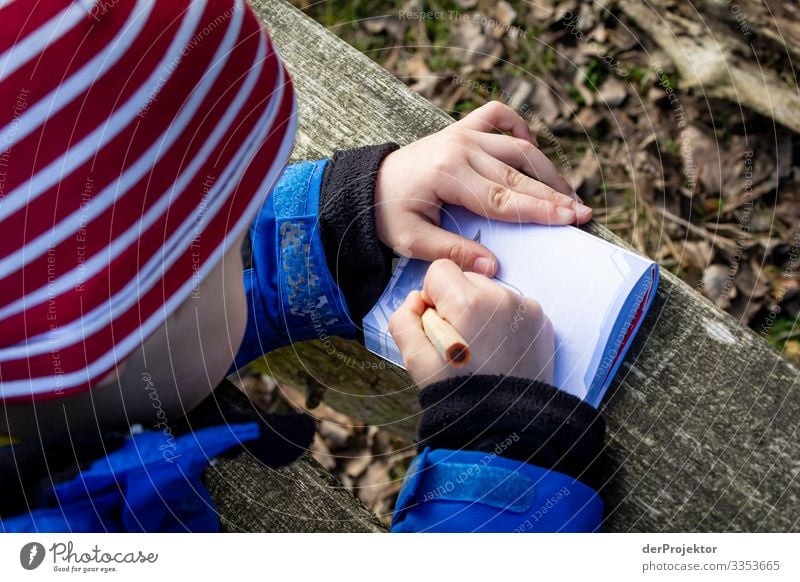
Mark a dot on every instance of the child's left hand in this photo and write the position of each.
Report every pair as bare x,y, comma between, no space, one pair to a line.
505,177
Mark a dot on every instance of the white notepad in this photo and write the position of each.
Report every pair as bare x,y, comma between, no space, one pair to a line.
595,293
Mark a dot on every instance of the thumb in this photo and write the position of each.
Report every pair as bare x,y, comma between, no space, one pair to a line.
432,242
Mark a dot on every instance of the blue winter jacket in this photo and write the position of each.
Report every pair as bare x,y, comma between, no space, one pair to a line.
292,296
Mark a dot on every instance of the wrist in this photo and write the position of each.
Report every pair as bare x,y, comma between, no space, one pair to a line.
359,263
382,189
520,419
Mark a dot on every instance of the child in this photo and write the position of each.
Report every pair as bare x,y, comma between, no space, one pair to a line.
139,141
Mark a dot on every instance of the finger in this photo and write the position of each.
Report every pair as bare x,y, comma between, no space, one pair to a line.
406,329
524,157
496,116
481,281
430,242
494,200
501,173
448,290
498,171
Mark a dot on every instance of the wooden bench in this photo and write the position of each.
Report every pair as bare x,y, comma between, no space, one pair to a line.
702,418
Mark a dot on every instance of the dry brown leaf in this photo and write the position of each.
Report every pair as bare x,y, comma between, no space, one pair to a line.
701,159
260,389
717,285
336,435
542,10
505,13
586,177
587,118
586,18
371,487
613,92
792,349
752,281
321,452
696,254
544,104
357,465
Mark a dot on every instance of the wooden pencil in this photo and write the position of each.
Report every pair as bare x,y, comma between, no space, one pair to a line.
448,342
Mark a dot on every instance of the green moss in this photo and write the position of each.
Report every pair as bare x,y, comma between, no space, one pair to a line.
672,147
575,95
781,331
465,106
595,73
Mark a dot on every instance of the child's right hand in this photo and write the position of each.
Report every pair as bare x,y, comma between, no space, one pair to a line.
507,333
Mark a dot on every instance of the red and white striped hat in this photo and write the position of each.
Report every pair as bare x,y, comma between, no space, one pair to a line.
137,140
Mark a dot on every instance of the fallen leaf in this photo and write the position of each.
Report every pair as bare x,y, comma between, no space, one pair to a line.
717,285
542,10
586,177
612,92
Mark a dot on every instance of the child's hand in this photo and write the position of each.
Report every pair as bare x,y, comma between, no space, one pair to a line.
507,333
494,175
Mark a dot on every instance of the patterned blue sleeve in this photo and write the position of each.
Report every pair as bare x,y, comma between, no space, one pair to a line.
291,295
469,491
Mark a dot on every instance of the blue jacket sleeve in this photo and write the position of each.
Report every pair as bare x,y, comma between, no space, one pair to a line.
503,454
291,295
471,491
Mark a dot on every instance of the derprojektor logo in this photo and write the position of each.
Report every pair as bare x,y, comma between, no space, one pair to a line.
31,555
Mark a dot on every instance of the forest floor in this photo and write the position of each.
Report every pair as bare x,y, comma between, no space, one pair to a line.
703,186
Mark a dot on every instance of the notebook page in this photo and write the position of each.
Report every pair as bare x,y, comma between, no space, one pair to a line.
581,281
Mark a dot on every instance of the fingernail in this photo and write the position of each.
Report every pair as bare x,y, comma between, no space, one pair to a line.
582,210
565,214
485,266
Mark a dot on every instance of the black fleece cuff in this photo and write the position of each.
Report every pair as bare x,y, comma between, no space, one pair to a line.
516,418
358,261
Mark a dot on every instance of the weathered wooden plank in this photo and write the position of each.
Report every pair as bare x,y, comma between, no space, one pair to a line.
301,497
703,415
356,382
